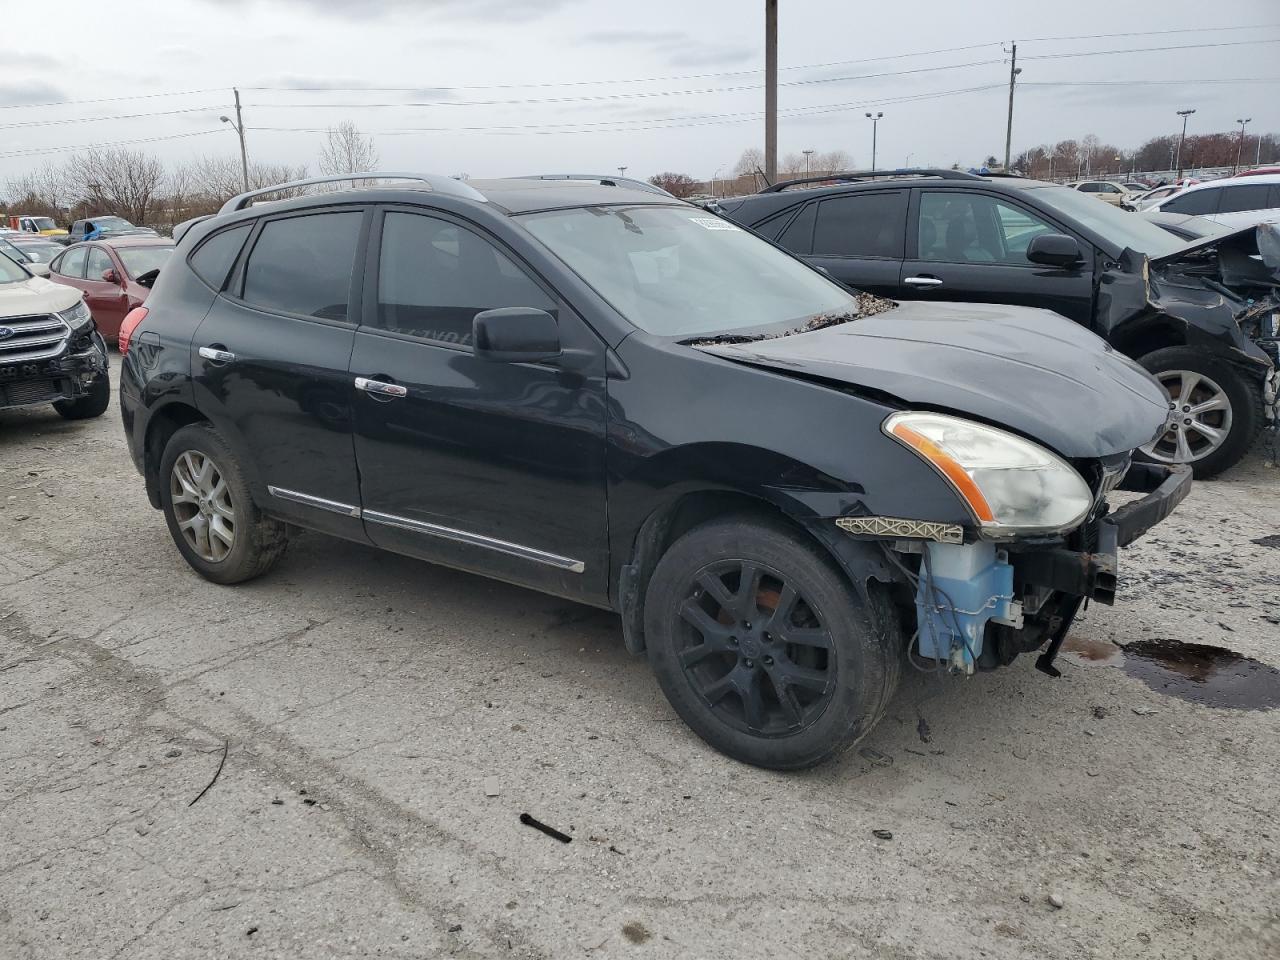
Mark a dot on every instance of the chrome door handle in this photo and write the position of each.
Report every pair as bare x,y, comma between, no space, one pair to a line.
922,282
216,355
380,387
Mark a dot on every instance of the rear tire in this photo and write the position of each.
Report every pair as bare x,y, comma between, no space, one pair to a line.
783,674
1198,380
92,404
214,522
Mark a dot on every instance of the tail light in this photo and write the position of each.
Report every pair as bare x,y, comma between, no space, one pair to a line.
131,321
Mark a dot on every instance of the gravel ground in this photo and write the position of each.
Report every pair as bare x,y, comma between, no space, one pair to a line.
362,701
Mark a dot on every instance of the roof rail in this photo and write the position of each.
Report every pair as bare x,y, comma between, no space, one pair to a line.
869,174
437,182
603,179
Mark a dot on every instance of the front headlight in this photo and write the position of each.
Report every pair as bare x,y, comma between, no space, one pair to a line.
77,317
1011,485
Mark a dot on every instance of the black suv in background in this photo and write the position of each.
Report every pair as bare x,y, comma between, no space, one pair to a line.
613,396
944,235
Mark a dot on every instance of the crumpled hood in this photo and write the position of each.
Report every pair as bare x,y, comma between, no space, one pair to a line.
1029,370
1247,256
36,295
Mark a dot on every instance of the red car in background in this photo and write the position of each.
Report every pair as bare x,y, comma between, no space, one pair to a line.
115,275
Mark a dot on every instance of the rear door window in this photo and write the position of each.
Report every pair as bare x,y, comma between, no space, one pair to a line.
1237,199
434,276
1195,202
213,259
71,263
861,225
302,265
99,263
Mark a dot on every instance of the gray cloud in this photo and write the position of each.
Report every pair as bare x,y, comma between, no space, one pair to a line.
503,10
34,92
678,49
21,58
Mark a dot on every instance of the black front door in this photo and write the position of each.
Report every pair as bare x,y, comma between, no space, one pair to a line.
973,247
270,370
495,467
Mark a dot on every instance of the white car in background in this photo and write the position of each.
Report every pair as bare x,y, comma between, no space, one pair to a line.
1106,190
1234,202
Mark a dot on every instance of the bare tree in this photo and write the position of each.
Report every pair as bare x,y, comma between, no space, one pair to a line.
42,192
752,159
127,182
346,150
677,184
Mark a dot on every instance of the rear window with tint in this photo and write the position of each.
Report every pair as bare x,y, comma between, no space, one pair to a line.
861,225
1195,202
1251,196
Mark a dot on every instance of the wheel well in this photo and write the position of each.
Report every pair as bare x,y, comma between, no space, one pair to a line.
664,527
1150,338
164,424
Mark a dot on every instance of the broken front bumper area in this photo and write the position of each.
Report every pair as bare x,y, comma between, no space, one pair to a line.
1091,572
67,376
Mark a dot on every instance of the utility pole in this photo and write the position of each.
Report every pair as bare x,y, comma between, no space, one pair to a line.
622,171
1014,70
807,155
875,122
238,125
1183,114
1240,145
771,90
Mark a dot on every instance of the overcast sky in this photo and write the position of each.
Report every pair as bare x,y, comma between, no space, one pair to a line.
528,72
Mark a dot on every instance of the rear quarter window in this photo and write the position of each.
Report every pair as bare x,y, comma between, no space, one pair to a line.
212,260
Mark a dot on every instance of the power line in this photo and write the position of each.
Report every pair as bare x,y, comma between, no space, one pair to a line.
119,116
135,96
1154,33
1129,83
40,151
1185,46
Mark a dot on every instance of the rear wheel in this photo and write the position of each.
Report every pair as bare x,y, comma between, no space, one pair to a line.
1215,410
764,648
92,404
213,520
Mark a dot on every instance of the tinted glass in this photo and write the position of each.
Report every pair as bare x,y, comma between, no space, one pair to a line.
1090,187
435,276
971,228
1195,202
1237,199
773,226
1112,225
302,265
99,263
679,272
861,225
72,264
140,260
798,237
213,259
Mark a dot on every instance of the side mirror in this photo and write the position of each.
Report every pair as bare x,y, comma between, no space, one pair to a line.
110,276
515,335
1054,250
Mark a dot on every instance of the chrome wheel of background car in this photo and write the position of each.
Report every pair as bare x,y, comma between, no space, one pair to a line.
202,505
754,650
1199,418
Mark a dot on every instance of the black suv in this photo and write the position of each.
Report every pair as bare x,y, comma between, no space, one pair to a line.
616,397
946,235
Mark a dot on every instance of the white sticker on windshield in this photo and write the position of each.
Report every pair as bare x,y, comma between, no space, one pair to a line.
713,223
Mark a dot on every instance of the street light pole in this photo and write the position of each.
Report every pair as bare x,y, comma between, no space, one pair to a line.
1183,114
238,126
1240,145
875,122
1014,70
622,171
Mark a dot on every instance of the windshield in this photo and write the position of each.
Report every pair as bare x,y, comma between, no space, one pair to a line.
112,223
1114,225
10,272
679,272
13,253
44,223
140,260
40,252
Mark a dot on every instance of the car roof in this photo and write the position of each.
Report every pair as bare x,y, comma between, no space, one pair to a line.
524,195
1261,178
142,240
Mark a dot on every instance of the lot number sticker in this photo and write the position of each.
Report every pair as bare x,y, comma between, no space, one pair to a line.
712,223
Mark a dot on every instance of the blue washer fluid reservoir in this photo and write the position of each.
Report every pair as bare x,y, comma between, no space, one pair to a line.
961,587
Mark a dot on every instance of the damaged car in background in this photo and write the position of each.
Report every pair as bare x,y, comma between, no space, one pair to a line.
935,235
784,489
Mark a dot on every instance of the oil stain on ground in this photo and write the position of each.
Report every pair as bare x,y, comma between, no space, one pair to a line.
1198,672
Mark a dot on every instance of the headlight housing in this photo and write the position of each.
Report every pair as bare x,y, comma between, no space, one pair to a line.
77,317
1011,486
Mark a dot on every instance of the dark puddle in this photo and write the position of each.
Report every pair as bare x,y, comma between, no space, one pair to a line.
1198,672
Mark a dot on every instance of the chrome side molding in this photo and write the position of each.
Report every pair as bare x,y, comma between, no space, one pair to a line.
333,506
476,540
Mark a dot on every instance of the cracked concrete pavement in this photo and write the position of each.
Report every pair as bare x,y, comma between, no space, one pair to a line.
363,699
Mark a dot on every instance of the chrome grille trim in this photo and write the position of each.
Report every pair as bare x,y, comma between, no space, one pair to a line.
33,338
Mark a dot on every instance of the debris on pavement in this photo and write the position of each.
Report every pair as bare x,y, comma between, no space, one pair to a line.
882,834
1056,901
549,831
872,755
226,745
491,788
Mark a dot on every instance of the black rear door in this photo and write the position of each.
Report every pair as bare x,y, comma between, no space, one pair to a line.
970,246
857,238
270,360
495,467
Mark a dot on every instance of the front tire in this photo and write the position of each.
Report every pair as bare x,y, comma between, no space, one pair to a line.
92,404
212,518
764,648
1216,410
